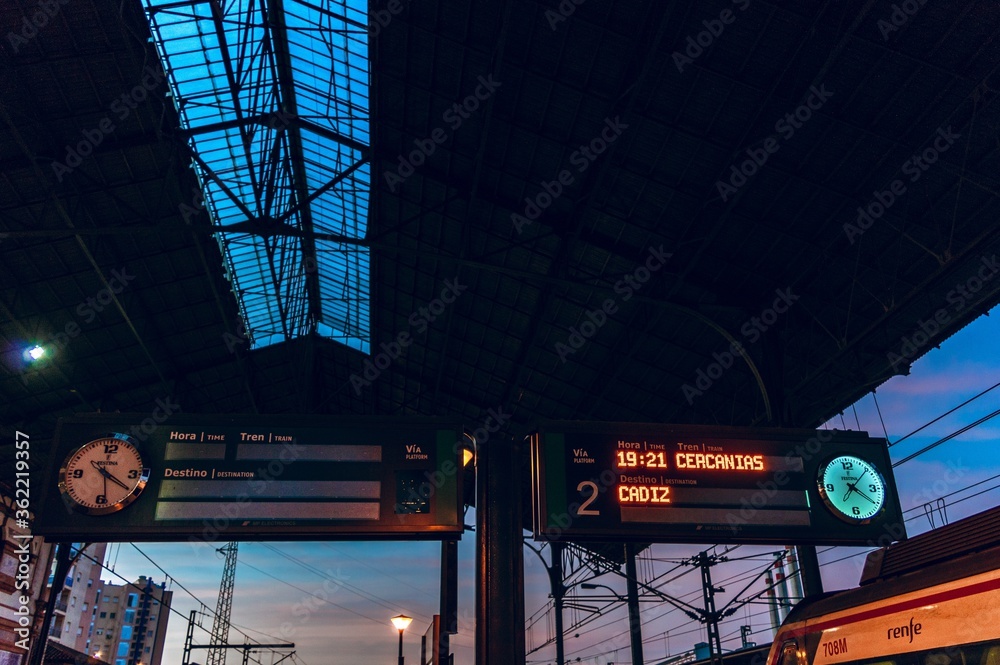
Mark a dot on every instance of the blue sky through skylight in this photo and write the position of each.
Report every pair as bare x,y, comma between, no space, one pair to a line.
227,73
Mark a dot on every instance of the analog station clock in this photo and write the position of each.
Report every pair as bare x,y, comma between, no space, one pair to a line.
103,476
851,488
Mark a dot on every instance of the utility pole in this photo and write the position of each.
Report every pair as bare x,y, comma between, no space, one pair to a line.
220,624
189,638
632,589
705,563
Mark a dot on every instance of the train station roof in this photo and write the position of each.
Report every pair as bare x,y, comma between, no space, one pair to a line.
747,213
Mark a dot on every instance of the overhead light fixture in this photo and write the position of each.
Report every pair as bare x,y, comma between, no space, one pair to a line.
34,353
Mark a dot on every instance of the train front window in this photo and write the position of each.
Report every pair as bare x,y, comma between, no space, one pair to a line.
992,656
789,653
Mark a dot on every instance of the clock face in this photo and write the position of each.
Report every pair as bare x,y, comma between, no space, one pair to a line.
103,476
852,489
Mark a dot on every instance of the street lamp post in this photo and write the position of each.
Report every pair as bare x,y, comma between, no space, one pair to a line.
401,622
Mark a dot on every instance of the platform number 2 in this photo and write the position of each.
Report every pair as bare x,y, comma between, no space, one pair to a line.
592,486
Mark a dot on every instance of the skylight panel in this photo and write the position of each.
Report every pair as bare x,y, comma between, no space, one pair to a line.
277,118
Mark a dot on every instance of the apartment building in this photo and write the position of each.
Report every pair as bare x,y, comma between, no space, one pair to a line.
130,622
72,620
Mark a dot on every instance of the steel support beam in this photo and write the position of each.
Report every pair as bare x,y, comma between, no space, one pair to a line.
499,555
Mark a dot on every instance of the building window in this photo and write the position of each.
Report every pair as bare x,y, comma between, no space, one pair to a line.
146,650
131,599
126,632
129,616
112,615
104,615
123,648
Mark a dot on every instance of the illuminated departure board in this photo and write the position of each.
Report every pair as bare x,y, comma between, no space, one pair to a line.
665,483
215,478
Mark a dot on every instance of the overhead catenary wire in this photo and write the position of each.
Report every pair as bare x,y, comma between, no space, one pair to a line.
175,581
738,577
367,595
947,438
942,440
946,413
171,608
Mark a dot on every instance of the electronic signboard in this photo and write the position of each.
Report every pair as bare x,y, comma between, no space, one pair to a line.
696,484
120,477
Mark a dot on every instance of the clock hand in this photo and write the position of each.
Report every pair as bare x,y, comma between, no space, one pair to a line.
107,475
863,495
853,487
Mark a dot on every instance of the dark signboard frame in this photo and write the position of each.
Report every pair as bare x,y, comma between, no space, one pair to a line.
576,483
225,477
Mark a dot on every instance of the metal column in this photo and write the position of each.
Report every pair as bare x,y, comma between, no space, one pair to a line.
449,600
812,581
499,555
634,621
63,563
558,592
